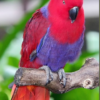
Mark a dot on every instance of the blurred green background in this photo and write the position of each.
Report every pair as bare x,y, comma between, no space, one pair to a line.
13,16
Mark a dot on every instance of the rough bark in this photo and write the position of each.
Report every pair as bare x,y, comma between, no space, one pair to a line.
87,77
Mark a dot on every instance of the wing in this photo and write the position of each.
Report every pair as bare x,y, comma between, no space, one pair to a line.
34,31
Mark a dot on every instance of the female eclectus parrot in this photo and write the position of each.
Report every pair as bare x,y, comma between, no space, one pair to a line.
52,37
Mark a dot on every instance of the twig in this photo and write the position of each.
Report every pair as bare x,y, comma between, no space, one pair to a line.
86,77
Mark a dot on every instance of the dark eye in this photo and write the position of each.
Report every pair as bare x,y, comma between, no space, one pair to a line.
73,13
63,2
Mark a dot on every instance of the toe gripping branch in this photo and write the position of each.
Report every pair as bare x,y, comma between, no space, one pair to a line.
87,77
49,74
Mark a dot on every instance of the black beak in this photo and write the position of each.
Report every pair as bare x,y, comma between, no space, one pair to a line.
73,13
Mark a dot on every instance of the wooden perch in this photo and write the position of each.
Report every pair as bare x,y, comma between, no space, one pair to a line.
86,77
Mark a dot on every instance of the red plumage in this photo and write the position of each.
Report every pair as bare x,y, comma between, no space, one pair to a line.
61,29
34,31
30,93
61,22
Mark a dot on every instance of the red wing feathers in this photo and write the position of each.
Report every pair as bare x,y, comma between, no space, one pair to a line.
35,29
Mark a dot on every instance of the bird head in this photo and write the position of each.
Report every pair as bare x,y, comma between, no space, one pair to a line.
67,17
69,10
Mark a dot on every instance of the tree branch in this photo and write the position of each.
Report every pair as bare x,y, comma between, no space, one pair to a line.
86,77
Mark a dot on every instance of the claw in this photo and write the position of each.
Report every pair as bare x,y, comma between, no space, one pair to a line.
48,74
62,77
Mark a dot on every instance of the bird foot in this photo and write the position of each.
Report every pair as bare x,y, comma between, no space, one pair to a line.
48,74
62,77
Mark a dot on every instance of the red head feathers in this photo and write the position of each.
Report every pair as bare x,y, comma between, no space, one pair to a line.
67,18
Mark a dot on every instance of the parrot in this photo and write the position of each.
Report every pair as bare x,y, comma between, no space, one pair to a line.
52,37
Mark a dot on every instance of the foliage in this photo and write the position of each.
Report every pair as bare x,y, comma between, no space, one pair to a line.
9,59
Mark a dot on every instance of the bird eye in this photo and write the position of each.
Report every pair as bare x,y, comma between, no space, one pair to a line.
73,13
63,2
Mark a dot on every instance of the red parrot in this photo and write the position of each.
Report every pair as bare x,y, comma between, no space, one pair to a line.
52,37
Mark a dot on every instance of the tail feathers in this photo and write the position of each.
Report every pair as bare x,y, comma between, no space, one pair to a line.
41,94
29,93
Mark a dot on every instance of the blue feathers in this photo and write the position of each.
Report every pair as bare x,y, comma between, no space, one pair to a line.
56,55
33,55
44,11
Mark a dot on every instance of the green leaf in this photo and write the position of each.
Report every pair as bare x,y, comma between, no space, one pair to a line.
3,96
13,61
77,94
70,67
88,54
4,84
